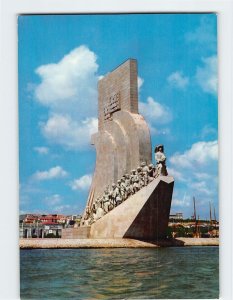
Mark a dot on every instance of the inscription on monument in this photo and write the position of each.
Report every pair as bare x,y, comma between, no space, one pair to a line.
112,105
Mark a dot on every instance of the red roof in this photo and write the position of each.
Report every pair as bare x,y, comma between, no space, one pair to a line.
50,223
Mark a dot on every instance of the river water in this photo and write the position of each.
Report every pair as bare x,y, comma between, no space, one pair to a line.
158,273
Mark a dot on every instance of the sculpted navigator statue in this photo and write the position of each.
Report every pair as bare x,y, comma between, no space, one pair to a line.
160,159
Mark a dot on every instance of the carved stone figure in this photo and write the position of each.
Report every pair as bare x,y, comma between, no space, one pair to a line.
127,185
118,193
150,172
115,194
123,189
160,159
131,188
99,213
145,171
97,202
134,181
140,177
106,201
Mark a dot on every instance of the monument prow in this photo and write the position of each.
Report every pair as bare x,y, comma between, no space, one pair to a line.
143,215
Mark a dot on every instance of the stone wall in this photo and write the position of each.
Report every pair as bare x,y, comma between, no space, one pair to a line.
76,233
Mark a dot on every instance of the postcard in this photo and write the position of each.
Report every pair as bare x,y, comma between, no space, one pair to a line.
118,156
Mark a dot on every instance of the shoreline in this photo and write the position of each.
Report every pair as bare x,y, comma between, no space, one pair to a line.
53,243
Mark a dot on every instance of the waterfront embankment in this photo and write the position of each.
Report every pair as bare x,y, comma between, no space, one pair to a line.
113,243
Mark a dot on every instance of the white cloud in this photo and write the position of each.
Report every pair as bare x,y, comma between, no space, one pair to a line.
55,172
202,176
208,131
82,183
204,36
200,153
41,150
178,80
69,89
201,187
176,174
195,170
140,83
206,75
154,112
63,130
69,82
53,199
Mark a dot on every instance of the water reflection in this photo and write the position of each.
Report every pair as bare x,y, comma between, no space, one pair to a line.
120,273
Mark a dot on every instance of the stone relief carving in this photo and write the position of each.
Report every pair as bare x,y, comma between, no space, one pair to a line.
111,106
128,185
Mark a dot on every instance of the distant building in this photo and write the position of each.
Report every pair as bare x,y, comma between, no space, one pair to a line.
40,230
42,226
177,216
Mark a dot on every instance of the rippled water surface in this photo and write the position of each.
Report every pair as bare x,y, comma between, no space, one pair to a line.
187,272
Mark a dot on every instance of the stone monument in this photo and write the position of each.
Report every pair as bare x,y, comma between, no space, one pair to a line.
123,138
128,197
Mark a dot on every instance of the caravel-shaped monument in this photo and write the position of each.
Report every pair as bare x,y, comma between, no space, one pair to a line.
122,144
123,138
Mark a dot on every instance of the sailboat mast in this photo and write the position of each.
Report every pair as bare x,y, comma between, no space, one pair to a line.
195,216
210,215
194,207
215,220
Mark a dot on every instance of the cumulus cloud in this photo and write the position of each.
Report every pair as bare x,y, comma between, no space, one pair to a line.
55,172
195,170
206,75
69,89
41,150
63,130
154,112
82,183
178,80
71,81
199,154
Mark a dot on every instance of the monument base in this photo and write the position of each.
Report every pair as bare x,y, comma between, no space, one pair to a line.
76,233
144,215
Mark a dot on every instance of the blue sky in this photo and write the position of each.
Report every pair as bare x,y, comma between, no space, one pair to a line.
61,59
